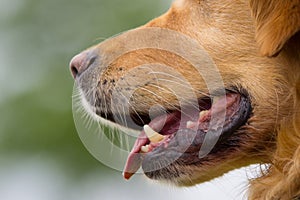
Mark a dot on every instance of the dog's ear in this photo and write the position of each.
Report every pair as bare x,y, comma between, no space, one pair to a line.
276,22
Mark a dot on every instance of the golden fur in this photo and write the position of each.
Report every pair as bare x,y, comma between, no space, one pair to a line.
256,46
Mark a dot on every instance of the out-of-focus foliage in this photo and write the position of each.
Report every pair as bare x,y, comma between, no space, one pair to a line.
38,38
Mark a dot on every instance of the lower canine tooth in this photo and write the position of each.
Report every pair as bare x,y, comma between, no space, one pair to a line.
153,135
145,149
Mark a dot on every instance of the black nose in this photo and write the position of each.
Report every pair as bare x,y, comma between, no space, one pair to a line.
81,62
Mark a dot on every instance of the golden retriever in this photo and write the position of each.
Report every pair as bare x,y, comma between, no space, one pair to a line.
215,86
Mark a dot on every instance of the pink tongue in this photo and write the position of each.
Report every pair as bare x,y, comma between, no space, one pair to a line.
135,158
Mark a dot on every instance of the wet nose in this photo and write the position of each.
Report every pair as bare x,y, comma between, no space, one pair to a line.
81,62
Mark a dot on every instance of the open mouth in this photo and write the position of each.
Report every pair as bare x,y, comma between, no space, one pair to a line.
178,137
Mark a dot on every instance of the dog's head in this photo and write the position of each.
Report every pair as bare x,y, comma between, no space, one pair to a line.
209,82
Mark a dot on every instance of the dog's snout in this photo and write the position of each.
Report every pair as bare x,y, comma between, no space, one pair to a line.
81,63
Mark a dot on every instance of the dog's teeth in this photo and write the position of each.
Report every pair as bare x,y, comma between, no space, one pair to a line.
203,113
145,149
190,124
153,135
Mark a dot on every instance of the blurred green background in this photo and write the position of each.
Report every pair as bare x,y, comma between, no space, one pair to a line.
38,39
41,155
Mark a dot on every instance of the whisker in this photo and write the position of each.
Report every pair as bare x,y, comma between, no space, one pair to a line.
175,108
156,78
188,87
189,101
134,110
166,74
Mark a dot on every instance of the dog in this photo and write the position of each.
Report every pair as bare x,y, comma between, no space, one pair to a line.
215,86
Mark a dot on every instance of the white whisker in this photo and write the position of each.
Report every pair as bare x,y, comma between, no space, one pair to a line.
185,86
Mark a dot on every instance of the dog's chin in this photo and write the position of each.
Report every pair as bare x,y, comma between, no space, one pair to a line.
171,145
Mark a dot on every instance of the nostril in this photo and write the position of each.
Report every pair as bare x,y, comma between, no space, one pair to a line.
77,64
80,63
74,71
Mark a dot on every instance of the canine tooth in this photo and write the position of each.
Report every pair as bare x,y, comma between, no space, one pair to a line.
145,149
203,113
153,135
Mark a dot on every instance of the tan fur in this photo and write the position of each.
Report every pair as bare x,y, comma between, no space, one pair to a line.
235,34
276,22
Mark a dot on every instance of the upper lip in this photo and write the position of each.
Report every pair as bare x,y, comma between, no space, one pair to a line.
138,120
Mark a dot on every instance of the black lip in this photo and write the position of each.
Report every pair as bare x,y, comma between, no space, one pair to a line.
179,153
